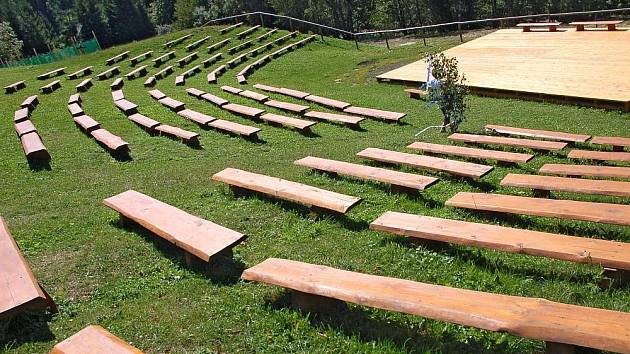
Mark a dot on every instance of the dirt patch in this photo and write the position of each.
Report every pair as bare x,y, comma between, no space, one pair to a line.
387,67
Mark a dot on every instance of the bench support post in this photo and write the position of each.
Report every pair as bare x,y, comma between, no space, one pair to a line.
402,189
541,193
617,277
559,348
617,148
305,302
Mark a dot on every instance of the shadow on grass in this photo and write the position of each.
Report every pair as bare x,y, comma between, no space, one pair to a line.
222,271
353,321
25,328
39,165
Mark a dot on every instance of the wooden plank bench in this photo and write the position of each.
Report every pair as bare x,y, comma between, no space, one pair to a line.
215,46
177,41
245,131
117,84
126,106
83,72
231,89
199,238
266,34
564,209
21,114
236,60
247,32
187,59
150,81
551,26
214,74
617,143
240,47
75,109
536,133
15,87
241,78
140,58
164,72
34,148
213,59
30,102
610,25
147,123
50,74
586,170
199,118
138,72
219,101
352,121
186,136
500,140
19,289
609,254
24,127
318,199
375,113
272,89
192,71
117,58
286,106
118,95
86,123
299,124
317,288
194,92
51,87
480,154
458,168
173,104
286,37
84,85
254,52
327,102
260,98
542,185
113,143
157,94
94,339
599,155
261,61
180,80
115,70
242,110
75,98
194,45
163,58
416,93
229,28
400,181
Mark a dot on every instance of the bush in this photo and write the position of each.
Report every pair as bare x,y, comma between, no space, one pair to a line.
450,92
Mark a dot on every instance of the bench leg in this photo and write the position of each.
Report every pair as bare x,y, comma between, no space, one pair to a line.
559,348
617,148
616,277
612,27
402,189
304,302
579,28
49,300
425,243
541,193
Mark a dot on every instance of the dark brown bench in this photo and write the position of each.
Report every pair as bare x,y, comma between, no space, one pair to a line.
140,58
84,85
15,87
177,41
536,133
247,32
599,155
542,185
194,45
83,72
586,170
480,154
51,87
94,339
117,58
53,73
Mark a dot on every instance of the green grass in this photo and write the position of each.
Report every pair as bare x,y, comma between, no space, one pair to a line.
141,290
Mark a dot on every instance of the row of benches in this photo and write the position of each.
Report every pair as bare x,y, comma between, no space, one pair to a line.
30,139
579,25
114,144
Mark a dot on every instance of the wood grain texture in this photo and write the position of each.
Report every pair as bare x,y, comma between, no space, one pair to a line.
94,340
563,184
536,133
503,156
586,170
500,140
599,155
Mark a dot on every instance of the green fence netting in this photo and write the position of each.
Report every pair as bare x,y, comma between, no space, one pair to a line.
58,54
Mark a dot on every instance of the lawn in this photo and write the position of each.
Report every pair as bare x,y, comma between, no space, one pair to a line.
140,289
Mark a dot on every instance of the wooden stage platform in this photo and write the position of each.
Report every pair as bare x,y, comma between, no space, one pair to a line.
588,67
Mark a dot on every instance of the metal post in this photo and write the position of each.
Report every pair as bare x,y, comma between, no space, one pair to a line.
262,22
97,42
356,42
35,51
459,28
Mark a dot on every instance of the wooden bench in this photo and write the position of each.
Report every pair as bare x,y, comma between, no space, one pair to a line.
192,71
94,339
318,288
199,118
400,181
30,102
318,199
586,170
564,209
187,59
235,128
260,98
327,102
86,123
243,110
375,113
213,59
194,92
75,98
352,121
164,72
240,47
51,87
247,32
542,185
286,37
117,84
272,89
231,89
214,99
599,155
117,58
53,73
180,80
75,109
500,140
214,74
177,41
118,95
138,72
82,72
24,127
286,106
115,70
551,26
15,87
173,104
150,81
139,58
21,115
610,25
194,45
266,34
34,148
261,61
113,143
157,94
539,134
126,106
299,124
217,45
199,238
236,60
617,143
186,136
19,290
254,52
84,85
480,154
417,93
229,28
241,78
163,58
458,168
147,123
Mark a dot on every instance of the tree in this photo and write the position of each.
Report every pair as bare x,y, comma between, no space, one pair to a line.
10,45
450,94
162,12
129,20
184,10
91,15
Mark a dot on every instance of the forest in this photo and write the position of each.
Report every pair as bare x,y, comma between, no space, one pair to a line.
43,25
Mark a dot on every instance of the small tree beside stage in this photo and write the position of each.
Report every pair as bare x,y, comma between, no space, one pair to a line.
448,90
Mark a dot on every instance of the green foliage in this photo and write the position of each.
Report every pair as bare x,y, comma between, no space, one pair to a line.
10,45
91,16
162,12
129,20
184,10
452,92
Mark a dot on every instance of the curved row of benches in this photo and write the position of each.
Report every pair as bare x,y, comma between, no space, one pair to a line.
30,139
114,144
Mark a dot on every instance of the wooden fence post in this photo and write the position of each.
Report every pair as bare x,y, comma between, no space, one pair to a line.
262,22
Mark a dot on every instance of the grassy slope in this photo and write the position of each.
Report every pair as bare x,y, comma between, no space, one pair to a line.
140,289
